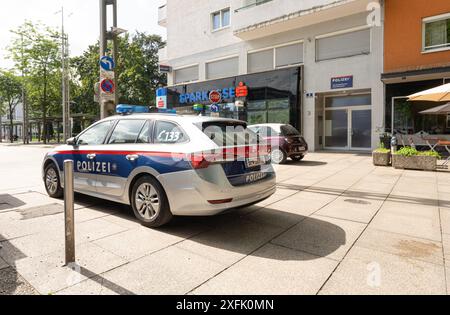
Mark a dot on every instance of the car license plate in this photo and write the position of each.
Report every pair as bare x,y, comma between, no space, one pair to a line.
254,162
301,149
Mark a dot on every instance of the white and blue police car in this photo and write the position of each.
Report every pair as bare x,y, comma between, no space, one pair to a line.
166,165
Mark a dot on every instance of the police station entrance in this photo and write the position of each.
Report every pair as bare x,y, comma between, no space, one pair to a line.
348,122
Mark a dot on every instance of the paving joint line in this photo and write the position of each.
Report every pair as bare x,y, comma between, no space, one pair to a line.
362,233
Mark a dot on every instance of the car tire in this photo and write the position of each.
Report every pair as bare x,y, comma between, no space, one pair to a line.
52,182
278,156
149,203
297,158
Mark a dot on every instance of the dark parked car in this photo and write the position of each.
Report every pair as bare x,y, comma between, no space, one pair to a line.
285,140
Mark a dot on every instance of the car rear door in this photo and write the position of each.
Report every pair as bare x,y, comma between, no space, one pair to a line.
121,155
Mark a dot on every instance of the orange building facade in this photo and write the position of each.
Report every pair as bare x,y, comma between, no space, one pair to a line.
416,57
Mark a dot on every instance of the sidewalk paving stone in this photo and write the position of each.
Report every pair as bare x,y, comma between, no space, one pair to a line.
140,242
354,209
402,245
322,236
372,272
170,271
272,270
230,243
3,264
48,275
421,221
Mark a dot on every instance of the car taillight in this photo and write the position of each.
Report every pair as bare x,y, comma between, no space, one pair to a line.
202,160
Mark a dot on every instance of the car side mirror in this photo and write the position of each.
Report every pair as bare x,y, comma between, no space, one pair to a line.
72,141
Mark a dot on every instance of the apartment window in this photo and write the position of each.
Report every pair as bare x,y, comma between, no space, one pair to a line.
222,68
437,33
188,74
289,55
221,19
343,45
260,61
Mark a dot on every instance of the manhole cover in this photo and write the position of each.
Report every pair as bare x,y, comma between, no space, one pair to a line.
41,211
357,202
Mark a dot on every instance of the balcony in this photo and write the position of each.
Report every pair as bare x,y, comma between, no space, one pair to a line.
260,18
162,15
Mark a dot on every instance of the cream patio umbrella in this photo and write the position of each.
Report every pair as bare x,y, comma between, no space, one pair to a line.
440,110
438,94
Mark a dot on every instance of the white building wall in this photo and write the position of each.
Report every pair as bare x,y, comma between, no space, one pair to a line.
190,41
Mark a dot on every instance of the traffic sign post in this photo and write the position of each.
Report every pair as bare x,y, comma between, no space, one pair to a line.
107,63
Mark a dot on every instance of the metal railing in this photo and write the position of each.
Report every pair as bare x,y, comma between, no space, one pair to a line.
252,4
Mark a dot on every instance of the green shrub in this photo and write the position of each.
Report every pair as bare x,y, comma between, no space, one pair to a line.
382,150
430,153
408,151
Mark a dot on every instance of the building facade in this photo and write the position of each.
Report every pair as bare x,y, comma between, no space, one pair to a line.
417,57
314,64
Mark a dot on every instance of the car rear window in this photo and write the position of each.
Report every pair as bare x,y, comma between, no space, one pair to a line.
226,134
288,130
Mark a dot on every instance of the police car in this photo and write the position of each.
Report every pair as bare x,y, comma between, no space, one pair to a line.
166,165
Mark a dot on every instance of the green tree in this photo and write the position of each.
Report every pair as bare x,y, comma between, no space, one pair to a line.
10,97
38,54
138,72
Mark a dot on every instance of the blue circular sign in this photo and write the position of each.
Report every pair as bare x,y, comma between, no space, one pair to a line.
214,108
107,63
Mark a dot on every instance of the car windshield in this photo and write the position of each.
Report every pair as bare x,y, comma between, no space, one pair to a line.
226,134
288,130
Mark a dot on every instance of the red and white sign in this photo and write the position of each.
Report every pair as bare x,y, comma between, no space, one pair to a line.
242,90
161,102
215,97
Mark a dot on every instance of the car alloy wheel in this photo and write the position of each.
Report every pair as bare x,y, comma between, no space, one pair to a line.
147,201
51,181
278,156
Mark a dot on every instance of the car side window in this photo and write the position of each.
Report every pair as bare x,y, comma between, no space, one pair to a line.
145,135
168,133
126,131
95,135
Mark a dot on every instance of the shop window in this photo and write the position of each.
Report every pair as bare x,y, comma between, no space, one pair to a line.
186,75
270,111
343,45
260,61
222,68
221,19
289,55
436,33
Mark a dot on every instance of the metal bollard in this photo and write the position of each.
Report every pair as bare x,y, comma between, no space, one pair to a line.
69,211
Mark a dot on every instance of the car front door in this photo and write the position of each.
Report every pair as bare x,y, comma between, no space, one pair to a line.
88,144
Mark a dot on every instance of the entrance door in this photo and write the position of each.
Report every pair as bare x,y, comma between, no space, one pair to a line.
361,129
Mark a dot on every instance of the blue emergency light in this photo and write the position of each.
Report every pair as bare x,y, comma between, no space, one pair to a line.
123,109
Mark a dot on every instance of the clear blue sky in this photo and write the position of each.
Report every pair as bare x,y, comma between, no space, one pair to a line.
83,23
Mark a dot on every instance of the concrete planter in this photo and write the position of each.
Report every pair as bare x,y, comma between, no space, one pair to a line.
425,163
381,159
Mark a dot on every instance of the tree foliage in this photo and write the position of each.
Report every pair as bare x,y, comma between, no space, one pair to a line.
137,72
10,96
36,51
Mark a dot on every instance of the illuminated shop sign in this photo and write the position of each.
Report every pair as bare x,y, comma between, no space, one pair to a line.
215,96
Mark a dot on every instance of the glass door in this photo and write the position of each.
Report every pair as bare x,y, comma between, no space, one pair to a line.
336,129
361,129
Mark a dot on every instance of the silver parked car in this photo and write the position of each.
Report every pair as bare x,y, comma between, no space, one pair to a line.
166,165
